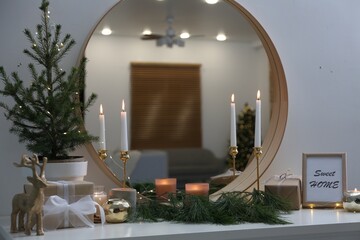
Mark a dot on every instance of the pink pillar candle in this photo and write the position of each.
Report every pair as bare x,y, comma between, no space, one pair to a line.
164,186
201,189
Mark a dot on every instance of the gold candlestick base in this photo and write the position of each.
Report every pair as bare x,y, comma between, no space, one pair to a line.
257,153
233,151
102,153
124,156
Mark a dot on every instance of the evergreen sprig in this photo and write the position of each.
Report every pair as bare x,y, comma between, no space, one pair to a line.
230,208
47,114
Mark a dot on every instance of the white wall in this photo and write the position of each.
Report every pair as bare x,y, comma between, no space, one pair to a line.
226,67
76,17
318,43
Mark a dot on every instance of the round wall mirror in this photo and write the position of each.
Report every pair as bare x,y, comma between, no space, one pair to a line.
245,62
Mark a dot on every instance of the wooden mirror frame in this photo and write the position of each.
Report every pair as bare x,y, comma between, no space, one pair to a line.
278,119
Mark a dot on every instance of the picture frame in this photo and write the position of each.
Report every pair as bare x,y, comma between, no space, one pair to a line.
324,179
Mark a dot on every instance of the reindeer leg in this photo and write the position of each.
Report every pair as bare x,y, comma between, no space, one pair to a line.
13,220
21,226
39,224
28,223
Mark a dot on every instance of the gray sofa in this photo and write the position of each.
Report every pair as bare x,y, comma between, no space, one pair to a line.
185,164
193,165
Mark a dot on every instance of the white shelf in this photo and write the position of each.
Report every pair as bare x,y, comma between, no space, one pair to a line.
315,224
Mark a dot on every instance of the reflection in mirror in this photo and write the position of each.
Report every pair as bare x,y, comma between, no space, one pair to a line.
238,65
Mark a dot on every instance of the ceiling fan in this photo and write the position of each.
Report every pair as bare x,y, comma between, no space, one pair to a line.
169,39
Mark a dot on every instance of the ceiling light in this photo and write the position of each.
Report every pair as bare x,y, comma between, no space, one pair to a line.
106,31
211,1
221,37
146,32
184,35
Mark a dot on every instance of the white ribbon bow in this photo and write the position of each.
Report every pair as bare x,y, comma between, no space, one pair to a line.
282,177
57,211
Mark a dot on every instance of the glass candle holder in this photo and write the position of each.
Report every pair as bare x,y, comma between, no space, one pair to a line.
100,197
352,200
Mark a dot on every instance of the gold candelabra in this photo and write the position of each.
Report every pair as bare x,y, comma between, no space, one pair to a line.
233,151
257,153
102,154
124,156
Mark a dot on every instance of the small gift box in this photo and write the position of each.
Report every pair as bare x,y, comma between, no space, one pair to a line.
69,190
287,187
67,204
58,213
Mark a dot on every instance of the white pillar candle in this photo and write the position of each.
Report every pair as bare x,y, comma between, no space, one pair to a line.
123,128
258,121
233,142
102,141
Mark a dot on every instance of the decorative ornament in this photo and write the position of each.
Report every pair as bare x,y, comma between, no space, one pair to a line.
352,200
116,210
30,204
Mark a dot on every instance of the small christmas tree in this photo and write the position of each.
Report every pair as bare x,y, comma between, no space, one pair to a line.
47,115
245,137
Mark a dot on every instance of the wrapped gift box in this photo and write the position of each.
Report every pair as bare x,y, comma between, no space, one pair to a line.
69,190
287,188
71,197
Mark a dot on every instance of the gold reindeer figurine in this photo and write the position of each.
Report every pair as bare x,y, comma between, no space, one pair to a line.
30,204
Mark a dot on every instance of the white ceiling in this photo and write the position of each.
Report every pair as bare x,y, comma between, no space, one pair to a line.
131,17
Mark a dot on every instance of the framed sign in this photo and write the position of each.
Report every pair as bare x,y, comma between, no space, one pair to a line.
324,179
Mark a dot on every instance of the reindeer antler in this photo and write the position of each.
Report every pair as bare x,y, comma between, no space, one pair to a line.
25,162
42,167
28,162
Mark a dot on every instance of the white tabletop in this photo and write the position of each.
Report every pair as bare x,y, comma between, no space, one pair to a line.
315,224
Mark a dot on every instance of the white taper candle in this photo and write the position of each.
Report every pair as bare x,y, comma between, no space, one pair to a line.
233,141
102,140
123,128
258,121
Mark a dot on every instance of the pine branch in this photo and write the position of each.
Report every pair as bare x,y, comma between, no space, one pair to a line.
230,208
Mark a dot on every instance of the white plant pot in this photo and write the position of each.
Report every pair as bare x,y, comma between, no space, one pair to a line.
66,170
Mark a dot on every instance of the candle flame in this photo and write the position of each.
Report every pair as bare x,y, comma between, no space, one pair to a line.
101,110
123,106
258,95
232,98
355,189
